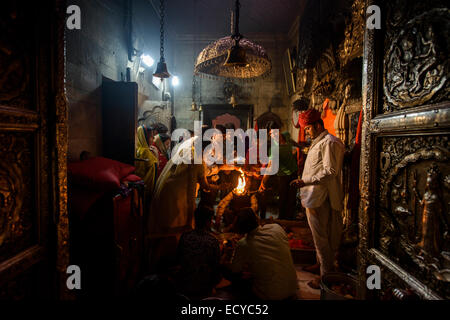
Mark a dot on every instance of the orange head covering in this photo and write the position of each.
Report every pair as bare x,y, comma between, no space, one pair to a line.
309,117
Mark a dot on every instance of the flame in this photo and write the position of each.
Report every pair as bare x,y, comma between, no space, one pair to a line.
240,189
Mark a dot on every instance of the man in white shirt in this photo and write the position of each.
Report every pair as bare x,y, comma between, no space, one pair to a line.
264,253
321,190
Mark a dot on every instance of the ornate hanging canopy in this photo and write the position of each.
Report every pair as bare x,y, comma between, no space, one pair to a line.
210,61
233,57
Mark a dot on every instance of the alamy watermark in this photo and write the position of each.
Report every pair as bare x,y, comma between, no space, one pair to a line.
374,279
74,279
74,20
213,153
374,17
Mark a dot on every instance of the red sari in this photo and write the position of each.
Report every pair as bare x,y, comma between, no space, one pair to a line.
162,154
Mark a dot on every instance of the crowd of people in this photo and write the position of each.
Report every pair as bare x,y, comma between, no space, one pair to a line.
188,206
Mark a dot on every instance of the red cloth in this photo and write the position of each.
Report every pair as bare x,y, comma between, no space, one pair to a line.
359,129
328,117
98,173
298,243
162,160
308,117
131,178
162,163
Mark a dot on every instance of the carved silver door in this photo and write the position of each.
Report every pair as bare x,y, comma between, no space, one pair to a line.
405,176
33,144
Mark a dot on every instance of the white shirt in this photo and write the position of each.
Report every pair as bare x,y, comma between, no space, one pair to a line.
266,254
322,172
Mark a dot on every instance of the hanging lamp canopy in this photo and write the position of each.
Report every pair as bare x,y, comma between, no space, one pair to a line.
210,61
233,56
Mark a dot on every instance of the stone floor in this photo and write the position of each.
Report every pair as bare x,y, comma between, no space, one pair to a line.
305,292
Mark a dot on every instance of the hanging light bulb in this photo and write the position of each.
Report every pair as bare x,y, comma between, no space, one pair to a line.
175,81
147,60
161,68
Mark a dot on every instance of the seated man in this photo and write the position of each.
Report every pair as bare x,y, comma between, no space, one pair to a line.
198,255
264,253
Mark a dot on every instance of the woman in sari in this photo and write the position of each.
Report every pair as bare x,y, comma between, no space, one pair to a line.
162,144
173,205
146,161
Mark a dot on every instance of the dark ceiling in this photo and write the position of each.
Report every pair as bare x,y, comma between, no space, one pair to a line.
213,16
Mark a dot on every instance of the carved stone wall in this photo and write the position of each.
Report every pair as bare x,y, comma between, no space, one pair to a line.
151,112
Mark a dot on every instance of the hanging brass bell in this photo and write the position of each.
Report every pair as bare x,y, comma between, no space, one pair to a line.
236,57
193,106
233,100
161,70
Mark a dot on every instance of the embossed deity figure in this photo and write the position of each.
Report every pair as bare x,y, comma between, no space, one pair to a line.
432,210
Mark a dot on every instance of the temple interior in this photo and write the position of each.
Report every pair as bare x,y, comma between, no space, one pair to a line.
225,150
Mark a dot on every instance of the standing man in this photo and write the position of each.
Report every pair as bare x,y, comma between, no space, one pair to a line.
321,190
